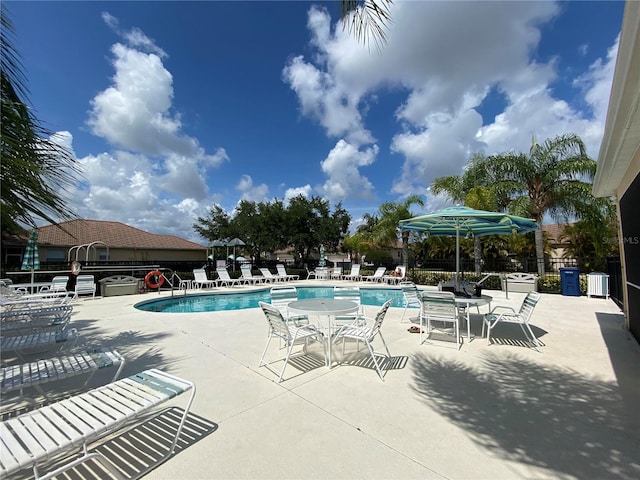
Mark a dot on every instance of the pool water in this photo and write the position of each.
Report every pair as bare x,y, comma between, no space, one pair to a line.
238,301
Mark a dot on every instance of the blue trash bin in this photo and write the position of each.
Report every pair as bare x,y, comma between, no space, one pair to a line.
570,281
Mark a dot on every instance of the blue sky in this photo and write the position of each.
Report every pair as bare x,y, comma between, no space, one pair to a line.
171,107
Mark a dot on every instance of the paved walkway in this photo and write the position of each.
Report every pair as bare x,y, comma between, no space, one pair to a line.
500,411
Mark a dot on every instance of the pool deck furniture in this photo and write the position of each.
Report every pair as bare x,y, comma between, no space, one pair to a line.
119,285
366,428
521,282
85,284
465,304
37,373
377,275
32,439
200,279
282,272
327,308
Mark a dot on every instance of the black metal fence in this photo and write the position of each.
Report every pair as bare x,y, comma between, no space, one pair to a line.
426,273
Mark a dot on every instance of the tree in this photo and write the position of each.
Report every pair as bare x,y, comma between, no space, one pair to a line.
385,232
216,226
310,224
35,171
592,238
475,189
553,179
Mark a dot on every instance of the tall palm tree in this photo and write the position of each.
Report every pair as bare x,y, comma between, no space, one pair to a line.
475,189
385,232
553,179
34,170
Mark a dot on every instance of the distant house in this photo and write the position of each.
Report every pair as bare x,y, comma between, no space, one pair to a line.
97,240
558,246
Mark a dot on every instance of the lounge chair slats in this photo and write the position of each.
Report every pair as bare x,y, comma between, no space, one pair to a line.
17,377
37,340
42,434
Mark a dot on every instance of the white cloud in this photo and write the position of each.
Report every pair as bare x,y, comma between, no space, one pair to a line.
342,169
446,57
251,192
290,193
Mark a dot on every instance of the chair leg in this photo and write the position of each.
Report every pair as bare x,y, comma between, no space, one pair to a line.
373,357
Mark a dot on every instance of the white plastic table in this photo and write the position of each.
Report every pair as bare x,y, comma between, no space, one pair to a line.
324,307
469,302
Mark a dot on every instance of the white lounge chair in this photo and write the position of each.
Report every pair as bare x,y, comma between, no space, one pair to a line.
34,374
377,275
32,439
85,284
58,284
200,279
39,341
35,318
249,277
336,273
282,272
363,333
399,275
270,277
225,279
354,274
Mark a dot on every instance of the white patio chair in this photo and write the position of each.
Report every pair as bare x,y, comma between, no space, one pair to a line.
363,333
353,294
70,425
411,297
508,315
282,272
377,275
354,274
439,314
85,284
290,334
200,279
281,297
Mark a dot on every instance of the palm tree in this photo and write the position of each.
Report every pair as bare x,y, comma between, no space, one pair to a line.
553,179
385,232
367,19
475,189
35,171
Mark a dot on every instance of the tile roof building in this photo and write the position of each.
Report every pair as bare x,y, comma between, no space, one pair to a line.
95,240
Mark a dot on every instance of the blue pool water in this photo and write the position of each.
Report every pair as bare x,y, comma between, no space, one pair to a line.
238,301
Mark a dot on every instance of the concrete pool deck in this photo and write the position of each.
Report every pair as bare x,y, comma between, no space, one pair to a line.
499,411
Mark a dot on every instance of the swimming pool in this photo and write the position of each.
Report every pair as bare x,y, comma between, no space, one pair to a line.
216,302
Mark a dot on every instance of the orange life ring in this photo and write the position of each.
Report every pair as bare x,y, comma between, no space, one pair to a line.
150,283
75,267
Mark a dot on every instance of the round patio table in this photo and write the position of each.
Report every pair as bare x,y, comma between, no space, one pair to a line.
468,302
324,307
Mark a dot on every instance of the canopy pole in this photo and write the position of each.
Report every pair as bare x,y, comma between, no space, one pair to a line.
457,250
